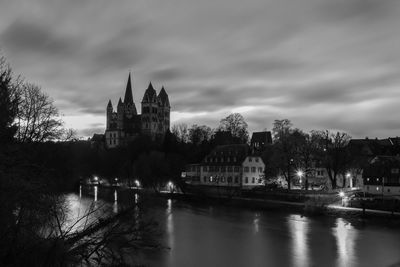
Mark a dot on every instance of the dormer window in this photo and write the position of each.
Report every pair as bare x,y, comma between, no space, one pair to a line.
250,159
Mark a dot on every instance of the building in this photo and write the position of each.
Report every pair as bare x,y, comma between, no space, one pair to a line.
260,140
382,176
253,173
228,165
125,124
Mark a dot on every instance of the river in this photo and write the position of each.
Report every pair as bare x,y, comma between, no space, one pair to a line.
215,235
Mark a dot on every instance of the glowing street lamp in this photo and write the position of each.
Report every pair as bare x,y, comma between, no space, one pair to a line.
137,183
342,194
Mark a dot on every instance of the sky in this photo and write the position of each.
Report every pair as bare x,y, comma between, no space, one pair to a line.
323,64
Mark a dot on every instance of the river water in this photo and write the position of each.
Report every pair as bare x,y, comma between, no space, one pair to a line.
214,235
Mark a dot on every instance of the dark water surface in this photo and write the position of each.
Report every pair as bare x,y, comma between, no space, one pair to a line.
213,235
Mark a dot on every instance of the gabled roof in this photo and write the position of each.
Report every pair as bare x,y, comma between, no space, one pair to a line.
150,95
261,137
163,98
128,99
227,155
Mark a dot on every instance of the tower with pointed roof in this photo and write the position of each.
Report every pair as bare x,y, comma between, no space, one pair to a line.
126,124
164,109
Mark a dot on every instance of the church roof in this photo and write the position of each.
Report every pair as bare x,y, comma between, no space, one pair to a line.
109,105
163,97
150,95
128,99
120,102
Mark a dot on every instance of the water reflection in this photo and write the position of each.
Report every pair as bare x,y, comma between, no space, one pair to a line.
136,198
256,222
115,205
170,224
95,193
80,191
299,228
345,240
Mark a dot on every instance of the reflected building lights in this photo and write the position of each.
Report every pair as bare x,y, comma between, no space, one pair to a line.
345,240
170,224
256,223
80,191
95,193
299,227
136,198
115,206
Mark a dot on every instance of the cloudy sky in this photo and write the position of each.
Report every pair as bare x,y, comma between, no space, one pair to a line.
323,64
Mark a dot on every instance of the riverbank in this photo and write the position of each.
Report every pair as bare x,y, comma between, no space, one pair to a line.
304,207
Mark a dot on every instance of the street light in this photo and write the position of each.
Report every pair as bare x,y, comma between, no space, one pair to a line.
137,183
300,173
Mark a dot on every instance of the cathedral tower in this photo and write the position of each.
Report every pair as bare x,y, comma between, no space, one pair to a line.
163,112
149,111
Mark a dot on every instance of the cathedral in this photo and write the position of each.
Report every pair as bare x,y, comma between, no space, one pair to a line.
126,124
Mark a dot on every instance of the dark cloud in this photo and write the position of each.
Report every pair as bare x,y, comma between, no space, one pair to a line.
29,36
321,63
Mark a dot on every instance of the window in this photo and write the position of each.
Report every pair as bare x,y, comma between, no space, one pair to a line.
205,179
216,168
228,159
253,169
222,159
246,180
204,168
394,170
223,168
246,169
260,169
250,159
256,159
234,158
236,168
260,181
253,180
229,179
236,179
211,159
229,168
211,168
223,179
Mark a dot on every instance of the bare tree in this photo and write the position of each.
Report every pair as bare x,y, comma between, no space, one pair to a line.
333,153
38,119
199,134
181,132
9,97
236,125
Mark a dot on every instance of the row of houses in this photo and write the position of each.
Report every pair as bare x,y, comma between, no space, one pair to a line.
242,166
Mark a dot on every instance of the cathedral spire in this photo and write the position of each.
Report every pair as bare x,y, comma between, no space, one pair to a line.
128,99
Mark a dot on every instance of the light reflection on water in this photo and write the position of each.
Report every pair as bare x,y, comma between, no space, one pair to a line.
212,235
346,237
115,205
299,227
170,224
